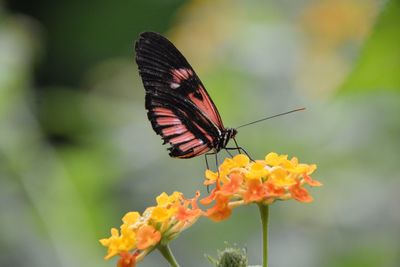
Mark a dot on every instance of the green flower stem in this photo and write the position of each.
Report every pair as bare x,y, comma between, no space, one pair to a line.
167,254
264,219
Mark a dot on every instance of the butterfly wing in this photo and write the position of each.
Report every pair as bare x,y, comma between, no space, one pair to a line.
182,126
179,107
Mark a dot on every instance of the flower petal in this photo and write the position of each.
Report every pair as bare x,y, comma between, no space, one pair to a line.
300,194
147,236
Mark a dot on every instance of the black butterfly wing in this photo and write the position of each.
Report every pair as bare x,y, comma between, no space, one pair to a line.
179,107
179,125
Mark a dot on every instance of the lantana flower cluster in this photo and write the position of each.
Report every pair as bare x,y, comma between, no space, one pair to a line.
140,234
240,181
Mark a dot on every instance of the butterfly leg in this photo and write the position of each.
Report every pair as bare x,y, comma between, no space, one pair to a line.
247,154
208,167
227,151
242,149
216,164
238,148
205,156
216,161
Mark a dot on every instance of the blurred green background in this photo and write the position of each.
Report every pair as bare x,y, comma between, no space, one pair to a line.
77,151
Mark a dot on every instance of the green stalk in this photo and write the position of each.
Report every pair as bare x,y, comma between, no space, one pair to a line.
167,254
264,220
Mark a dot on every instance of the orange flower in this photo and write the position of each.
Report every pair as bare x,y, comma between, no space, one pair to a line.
147,236
256,191
300,194
237,182
186,214
140,233
127,259
310,181
220,210
233,185
273,190
208,199
242,182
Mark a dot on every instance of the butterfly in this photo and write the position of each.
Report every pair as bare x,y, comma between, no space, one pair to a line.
178,106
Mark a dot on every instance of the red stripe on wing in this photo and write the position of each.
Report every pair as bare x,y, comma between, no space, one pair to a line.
177,129
184,143
190,144
181,74
182,138
205,133
206,105
198,150
159,111
168,121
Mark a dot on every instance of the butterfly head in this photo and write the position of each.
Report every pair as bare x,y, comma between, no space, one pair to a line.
231,133
227,135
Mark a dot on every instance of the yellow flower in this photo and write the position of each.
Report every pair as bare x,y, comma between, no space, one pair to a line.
118,243
257,171
141,233
237,182
175,197
227,164
273,159
131,218
262,181
164,200
161,214
241,160
280,177
211,177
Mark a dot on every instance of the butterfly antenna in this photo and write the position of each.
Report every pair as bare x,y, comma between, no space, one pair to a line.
277,115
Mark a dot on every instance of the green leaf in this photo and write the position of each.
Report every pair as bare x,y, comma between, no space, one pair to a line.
378,67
